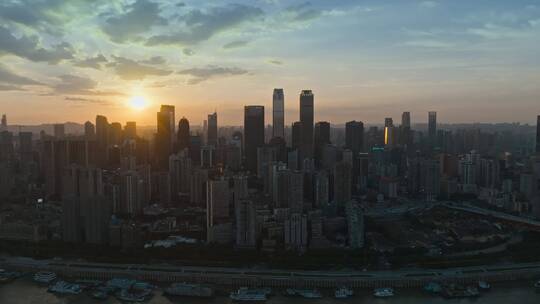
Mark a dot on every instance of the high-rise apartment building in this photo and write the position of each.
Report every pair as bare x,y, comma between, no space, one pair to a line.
245,218
406,119
388,122
130,130
212,133
89,130
432,128
354,136
253,134
102,139
538,135
164,136
278,113
307,120
183,134
321,138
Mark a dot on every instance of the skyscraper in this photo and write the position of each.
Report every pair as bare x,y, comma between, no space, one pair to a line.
306,118
183,134
405,135
89,130
388,122
432,128
102,139
253,134
354,136
164,135
169,110
296,135
25,146
538,135
212,133
406,119
217,204
130,130
322,133
245,218
115,133
4,122
321,138
278,112
342,183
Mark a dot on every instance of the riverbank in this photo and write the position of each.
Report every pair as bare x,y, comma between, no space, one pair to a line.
275,278
24,291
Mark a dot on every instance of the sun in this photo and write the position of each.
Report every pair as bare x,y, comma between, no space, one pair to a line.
138,103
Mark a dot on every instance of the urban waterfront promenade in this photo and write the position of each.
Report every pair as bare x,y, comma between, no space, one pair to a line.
235,277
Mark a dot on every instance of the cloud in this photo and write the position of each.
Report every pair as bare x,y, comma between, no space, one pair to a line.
78,85
202,25
302,12
128,69
9,81
429,43
137,19
10,87
276,62
235,44
28,47
88,100
156,60
91,62
39,15
188,52
493,31
8,77
202,74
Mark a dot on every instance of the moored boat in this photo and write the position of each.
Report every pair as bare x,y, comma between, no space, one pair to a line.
245,294
189,290
433,287
119,283
132,295
100,294
45,277
305,293
343,292
383,292
459,291
483,285
63,287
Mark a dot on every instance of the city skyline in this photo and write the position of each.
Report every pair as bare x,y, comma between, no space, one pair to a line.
269,150
362,61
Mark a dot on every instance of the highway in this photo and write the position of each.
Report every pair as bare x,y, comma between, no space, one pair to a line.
496,214
274,277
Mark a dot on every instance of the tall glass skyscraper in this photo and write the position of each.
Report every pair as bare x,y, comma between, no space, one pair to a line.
212,133
432,128
406,120
306,118
183,134
278,113
538,135
354,136
253,134
165,135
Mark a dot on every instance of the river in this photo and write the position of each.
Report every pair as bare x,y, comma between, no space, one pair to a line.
24,291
